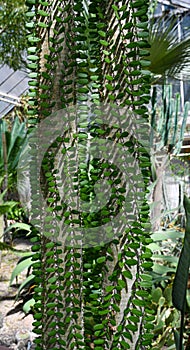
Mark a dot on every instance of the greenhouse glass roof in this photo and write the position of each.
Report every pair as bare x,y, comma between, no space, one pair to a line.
13,84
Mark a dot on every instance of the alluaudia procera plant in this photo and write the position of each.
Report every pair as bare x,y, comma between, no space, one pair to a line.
89,88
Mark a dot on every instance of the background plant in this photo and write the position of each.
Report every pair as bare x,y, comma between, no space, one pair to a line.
166,247
169,57
12,138
168,122
179,294
13,33
167,140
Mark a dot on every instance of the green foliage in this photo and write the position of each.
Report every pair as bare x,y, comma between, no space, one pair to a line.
169,57
19,226
13,33
168,123
165,263
12,139
167,317
170,276
182,274
11,143
21,266
165,120
6,207
91,296
25,263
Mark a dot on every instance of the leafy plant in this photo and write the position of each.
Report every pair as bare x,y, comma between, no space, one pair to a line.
26,262
169,57
11,142
170,275
87,53
12,139
165,117
24,290
179,292
167,318
13,33
168,125
165,247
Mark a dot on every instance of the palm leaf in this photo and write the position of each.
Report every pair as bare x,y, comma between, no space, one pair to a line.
169,56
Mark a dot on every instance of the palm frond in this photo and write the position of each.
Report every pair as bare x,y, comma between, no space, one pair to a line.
169,55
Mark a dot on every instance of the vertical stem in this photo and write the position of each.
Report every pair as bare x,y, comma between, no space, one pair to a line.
1,231
5,182
181,331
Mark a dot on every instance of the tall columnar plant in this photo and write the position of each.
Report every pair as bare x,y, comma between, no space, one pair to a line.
169,59
84,53
168,123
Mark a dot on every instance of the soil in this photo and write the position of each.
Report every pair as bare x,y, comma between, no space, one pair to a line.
15,327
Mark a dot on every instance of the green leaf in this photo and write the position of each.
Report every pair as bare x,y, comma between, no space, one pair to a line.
33,57
6,207
99,341
101,260
168,258
78,335
52,279
83,90
43,13
156,295
33,39
121,283
32,66
38,315
33,75
168,56
94,77
124,344
25,264
162,270
101,33
182,273
20,226
42,25
28,305
109,87
104,43
145,63
109,289
127,274
131,262
168,234
109,77
30,14
24,284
